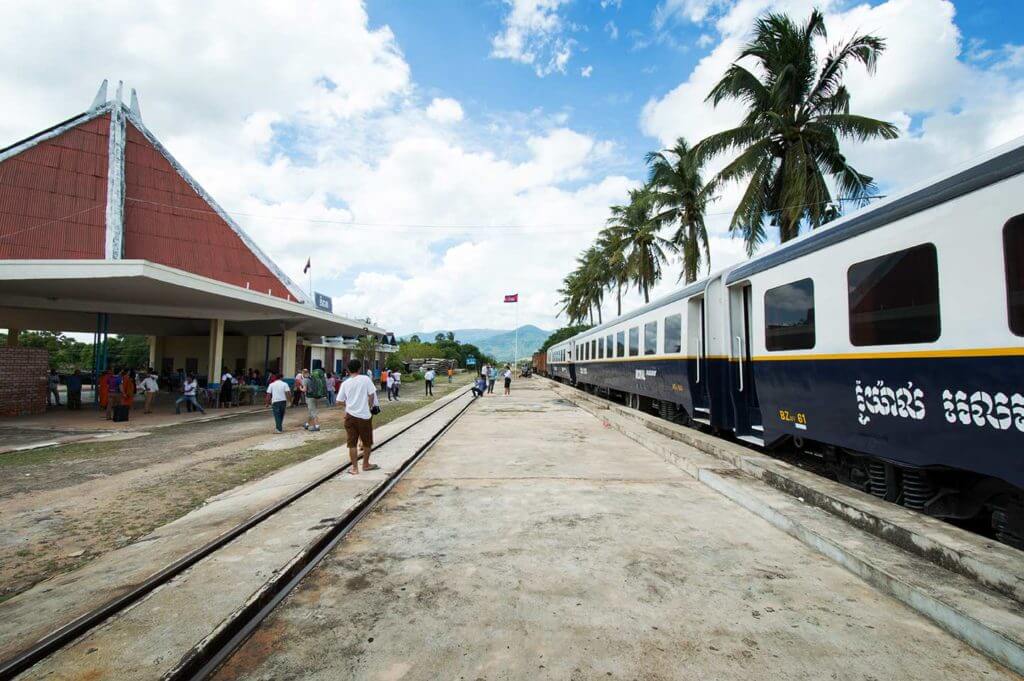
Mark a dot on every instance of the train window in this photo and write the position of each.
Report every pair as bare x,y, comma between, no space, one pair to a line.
894,298
620,344
634,341
789,316
673,340
611,346
600,348
1013,255
651,338
593,349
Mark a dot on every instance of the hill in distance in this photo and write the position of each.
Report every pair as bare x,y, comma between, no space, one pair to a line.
497,342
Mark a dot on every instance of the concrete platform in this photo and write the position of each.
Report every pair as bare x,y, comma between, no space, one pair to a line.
31,615
811,509
537,542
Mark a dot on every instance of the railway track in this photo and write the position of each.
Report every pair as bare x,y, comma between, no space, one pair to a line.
212,651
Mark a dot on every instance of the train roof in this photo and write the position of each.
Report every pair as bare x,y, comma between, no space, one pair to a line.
994,166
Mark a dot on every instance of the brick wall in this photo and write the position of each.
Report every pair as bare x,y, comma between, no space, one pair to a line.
23,381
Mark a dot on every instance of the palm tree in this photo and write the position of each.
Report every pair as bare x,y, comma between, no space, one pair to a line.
789,139
595,276
572,301
613,249
679,194
640,232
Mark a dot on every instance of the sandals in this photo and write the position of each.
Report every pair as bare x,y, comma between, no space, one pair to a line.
371,467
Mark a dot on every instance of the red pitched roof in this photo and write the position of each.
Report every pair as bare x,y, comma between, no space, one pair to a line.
53,196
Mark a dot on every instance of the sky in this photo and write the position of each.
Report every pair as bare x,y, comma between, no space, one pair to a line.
429,158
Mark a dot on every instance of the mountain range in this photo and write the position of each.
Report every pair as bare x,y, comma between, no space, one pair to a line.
497,342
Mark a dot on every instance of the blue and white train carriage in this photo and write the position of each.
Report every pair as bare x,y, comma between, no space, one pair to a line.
889,343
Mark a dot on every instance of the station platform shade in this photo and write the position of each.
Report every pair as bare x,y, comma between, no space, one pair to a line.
143,297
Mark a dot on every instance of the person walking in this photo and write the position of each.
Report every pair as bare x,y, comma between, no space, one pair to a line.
297,390
389,386
492,376
127,388
150,387
451,372
53,387
113,392
189,398
332,388
428,382
359,395
277,398
75,390
314,385
384,373
398,384
226,381
508,380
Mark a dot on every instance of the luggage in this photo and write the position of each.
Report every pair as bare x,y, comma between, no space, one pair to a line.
121,412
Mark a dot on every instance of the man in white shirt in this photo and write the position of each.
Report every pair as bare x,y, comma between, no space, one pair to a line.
428,385
190,395
150,387
397,388
277,398
359,395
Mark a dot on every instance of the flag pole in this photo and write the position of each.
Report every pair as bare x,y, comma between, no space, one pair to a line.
515,352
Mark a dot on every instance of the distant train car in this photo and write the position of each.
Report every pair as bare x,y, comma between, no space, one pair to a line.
889,343
539,363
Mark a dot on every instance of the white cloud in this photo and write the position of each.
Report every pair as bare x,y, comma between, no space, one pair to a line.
534,34
444,110
612,30
605,4
683,10
949,109
586,71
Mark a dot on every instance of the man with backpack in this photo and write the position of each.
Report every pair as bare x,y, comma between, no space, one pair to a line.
315,388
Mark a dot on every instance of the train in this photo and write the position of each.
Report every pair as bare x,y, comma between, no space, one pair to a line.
887,345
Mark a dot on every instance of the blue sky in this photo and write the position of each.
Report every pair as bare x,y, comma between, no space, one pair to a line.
430,157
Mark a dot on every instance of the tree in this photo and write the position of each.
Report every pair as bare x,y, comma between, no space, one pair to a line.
451,336
572,297
562,334
439,337
366,349
613,249
788,140
680,197
414,339
639,232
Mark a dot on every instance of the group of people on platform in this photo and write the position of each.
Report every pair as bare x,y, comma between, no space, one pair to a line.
484,384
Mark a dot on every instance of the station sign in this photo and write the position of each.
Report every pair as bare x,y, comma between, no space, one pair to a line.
324,302
471,361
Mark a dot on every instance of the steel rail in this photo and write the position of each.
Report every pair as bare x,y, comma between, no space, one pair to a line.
57,639
203,661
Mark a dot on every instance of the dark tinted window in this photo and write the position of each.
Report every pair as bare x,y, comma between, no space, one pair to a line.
895,298
600,348
593,349
673,333
1013,253
634,341
651,338
611,345
789,316
620,344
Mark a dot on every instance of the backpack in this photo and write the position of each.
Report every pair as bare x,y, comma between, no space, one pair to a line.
317,385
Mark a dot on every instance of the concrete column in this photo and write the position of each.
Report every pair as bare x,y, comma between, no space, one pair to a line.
289,342
216,353
12,337
152,351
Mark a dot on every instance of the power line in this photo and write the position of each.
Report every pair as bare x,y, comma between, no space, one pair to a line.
49,222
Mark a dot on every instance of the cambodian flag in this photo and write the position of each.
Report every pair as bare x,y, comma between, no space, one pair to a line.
512,298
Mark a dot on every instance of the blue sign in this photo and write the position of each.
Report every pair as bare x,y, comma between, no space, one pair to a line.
324,303
471,361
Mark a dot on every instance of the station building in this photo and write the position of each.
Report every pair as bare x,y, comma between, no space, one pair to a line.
103,231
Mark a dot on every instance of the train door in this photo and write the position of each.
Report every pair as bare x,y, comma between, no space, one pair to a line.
696,338
746,407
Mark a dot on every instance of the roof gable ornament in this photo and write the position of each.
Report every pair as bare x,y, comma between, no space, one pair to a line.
135,105
101,96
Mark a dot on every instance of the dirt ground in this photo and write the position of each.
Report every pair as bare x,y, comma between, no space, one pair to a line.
63,506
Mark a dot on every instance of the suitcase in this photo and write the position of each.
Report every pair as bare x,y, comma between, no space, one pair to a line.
121,412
